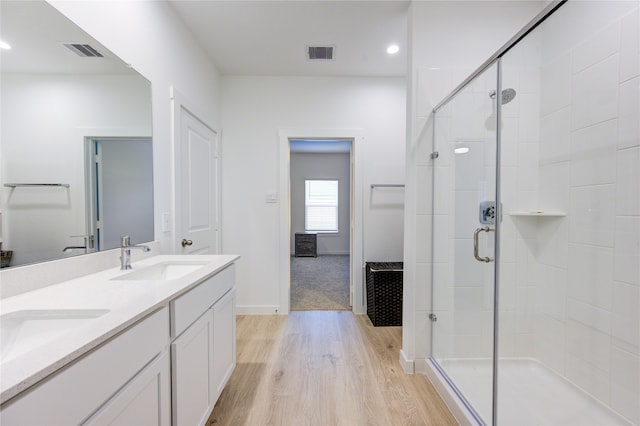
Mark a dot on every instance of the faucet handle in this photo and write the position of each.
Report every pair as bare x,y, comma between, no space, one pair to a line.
125,241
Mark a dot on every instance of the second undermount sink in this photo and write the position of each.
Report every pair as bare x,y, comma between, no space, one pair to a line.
170,270
22,331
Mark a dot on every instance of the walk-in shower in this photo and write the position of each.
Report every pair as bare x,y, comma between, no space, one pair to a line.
536,225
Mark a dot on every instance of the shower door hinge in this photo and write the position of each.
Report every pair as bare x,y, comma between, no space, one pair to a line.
434,155
433,317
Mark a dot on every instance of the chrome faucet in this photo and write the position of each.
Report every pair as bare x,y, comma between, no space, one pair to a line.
125,251
88,244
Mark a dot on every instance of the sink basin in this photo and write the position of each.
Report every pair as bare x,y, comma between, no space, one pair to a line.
163,271
22,331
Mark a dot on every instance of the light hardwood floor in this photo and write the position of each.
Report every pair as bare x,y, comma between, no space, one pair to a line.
323,368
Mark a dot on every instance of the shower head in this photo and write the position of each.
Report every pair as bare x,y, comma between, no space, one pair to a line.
507,95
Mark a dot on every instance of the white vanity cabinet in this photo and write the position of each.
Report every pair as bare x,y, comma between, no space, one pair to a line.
73,394
203,353
167,367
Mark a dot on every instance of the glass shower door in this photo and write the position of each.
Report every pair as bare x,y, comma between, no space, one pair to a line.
463,235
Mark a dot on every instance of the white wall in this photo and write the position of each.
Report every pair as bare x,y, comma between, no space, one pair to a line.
448,41
254,109
45,121
151,37
309,166
587,323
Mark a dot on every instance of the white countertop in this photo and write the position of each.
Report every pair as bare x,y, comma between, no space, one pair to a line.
127,301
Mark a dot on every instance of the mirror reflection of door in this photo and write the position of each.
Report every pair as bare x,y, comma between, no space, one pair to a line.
120,182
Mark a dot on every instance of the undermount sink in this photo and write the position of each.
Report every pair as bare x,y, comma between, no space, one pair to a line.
22,331
170,270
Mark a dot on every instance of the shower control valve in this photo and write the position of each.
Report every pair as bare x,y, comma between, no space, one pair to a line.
487,213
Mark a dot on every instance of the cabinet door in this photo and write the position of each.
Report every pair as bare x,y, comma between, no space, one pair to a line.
143,401
192,369
76,392
224,341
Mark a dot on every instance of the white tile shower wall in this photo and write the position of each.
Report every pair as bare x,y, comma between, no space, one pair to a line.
628,108
625,385
595,93
467,181
587,325
630,46
520,183
625,316
593,154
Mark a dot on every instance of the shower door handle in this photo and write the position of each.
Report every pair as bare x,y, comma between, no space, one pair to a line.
475,244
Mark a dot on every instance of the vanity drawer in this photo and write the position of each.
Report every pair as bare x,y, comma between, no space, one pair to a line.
71,395
188,307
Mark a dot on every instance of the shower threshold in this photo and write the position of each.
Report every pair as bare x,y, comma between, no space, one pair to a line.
529,394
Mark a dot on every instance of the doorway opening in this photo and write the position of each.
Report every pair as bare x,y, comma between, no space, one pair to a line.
320,201
119,185
356,138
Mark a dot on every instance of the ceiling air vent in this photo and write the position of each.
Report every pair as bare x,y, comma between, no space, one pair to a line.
83,50
320,53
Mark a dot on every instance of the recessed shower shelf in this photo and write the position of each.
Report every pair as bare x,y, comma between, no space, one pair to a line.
538,213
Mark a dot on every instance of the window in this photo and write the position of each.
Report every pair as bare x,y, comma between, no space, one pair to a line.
321,205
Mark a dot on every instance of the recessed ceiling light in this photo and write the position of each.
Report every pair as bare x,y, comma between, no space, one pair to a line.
393,49
4,45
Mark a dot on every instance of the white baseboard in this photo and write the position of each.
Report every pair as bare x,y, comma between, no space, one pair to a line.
257,309
407,365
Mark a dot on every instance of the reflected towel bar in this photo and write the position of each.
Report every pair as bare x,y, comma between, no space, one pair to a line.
19,185
387,185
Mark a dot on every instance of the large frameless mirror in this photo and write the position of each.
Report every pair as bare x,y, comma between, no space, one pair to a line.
75,147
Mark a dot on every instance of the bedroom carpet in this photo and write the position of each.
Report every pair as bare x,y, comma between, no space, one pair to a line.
320,283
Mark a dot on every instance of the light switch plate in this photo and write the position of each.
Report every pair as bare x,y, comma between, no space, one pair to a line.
271,197
166,223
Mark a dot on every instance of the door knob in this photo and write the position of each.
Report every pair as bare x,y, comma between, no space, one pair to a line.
186,242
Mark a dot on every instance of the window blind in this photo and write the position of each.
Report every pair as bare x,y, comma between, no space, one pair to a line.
321,205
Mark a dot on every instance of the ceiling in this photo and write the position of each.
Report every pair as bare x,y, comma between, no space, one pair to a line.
267,37
35,31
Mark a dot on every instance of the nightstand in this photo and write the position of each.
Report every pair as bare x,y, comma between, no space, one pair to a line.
306,244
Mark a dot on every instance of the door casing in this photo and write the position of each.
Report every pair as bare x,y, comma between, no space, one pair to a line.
356,237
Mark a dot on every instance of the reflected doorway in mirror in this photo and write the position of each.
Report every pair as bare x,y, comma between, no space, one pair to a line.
119,190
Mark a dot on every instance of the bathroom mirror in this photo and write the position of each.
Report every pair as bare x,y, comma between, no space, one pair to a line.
75,145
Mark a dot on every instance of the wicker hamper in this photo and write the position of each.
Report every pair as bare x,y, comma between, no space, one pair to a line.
384,293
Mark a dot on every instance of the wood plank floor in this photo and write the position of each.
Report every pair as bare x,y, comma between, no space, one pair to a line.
323,368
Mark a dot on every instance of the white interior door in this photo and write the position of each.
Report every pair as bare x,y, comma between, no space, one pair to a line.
199,187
